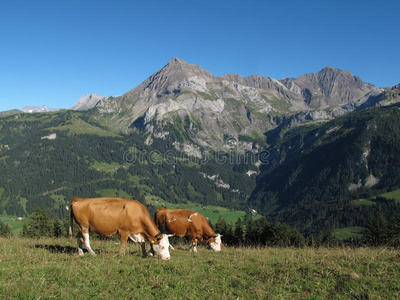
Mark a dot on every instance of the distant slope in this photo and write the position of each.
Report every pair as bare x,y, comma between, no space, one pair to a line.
12,111
37,109
52,157
315,171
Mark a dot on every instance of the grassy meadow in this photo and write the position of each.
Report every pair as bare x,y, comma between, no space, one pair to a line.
371,201
52,269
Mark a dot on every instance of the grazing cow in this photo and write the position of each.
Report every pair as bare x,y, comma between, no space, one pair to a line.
129,218
183,222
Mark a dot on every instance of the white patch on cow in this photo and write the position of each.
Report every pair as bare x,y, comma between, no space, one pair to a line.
137,238
194,247
216,246
169,221
87,244
190,217
162,248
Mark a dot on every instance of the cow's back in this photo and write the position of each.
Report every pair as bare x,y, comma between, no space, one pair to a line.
182,222
103,215
136,218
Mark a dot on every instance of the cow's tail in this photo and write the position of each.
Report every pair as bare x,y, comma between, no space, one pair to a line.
71,221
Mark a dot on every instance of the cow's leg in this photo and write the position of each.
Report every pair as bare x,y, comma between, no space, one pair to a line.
87,244
143,246
151,251
194,245
124,240
79,239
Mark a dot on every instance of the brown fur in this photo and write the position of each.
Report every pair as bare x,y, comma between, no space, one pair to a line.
183,222
108,216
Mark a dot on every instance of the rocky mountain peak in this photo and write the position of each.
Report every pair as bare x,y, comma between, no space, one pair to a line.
167,80
87,102
178,67
177,62
331,87
396,87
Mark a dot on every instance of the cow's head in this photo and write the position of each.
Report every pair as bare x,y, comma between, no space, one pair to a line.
215,242
161,246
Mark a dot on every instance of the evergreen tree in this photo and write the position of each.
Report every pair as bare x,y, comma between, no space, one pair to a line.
225,229
394,232
296,238
251,236
314,240
5,230
238,232
280,235
328,240
59,229
265,231
375,234
39,224
220,226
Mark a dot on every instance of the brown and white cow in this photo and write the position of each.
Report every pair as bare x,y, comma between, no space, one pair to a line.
107,216
183,222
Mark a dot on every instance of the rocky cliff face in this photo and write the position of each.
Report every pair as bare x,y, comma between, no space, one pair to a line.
329,87
211,108
87,102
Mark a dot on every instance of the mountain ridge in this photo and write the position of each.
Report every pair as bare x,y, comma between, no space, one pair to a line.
227,105
37,109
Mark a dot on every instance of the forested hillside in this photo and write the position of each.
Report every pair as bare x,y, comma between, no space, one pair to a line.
310,176
317,170
47,159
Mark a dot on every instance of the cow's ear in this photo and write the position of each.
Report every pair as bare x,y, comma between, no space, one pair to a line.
211,240
152,241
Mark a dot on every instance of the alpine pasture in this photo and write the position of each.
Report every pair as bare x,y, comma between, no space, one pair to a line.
52,269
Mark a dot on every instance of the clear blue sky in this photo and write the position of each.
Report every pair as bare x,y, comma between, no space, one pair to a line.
53,52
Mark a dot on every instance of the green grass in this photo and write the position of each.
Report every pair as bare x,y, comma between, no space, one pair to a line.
363,202
106,167
370,201
16,226
280,105
52,269
113,193
206,96
78,126
348,232
392,195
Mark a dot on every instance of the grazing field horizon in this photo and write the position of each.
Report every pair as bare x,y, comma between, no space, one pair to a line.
51,268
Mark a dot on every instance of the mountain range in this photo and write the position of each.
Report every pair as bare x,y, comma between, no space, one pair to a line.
298,150
243,108
231,105
37,109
